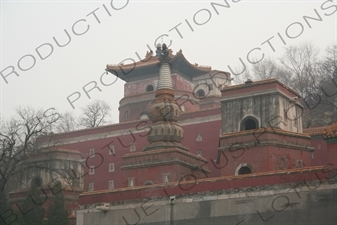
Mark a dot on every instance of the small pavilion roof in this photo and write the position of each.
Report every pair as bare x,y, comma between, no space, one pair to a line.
148,67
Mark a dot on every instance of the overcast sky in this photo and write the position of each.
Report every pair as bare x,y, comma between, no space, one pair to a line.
108,32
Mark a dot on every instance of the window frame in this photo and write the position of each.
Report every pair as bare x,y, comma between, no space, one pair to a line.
109,184
111,164
91,153
91,170
112,150
133,147
91,186
131,179
166,178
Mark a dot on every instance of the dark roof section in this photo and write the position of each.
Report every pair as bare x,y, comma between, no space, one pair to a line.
261,85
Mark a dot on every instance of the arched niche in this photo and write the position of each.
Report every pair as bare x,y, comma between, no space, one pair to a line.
37,181
148,182
249,123
244,168
201,93
149,88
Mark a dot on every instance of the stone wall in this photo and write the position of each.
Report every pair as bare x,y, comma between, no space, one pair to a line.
264,108
277,204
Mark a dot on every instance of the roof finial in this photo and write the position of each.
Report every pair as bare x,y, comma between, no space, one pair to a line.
158,51
164,80
164,52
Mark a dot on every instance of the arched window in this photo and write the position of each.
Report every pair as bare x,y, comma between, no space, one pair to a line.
244,170
149,88
37,181
148,182
249,123
126,114
201,93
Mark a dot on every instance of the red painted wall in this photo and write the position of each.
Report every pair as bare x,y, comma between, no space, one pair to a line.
262,157
209,147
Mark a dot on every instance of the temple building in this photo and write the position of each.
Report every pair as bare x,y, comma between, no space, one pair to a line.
191,148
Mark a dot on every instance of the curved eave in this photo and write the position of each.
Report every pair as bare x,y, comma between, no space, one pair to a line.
180,63
148,68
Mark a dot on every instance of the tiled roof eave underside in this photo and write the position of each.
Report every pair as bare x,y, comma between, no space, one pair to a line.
141,69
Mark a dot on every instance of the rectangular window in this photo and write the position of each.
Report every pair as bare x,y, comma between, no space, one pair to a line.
166,178
111,167
92,170
299,163
285,116
133,147
91,187
92,153
199,136
111,184
282,163
111,150
131,182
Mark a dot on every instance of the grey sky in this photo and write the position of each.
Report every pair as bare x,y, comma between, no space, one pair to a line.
227,36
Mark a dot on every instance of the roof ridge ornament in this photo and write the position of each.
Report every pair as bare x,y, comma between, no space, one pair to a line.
158,51
330,131
149,54
164,52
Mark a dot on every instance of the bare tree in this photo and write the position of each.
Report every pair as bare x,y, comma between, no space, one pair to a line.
66,123
312,77
329,63
268,69
18,140
302,66
265,69
95,114
242,77
328,85
316,81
